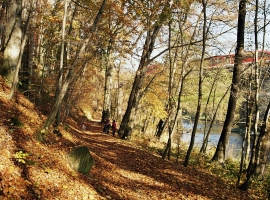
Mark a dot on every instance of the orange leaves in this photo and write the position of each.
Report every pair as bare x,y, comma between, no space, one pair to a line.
13,186
124,168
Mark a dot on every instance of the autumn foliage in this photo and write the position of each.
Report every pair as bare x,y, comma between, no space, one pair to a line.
31,169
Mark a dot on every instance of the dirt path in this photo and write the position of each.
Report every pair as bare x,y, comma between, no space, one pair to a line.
123,171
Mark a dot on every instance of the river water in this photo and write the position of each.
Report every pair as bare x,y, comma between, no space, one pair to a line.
235,140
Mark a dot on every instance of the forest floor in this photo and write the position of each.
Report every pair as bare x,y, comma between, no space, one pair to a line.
123,168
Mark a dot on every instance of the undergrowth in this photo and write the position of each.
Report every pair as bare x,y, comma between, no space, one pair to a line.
228,171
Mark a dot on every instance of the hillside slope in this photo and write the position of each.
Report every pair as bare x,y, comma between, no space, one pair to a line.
121,170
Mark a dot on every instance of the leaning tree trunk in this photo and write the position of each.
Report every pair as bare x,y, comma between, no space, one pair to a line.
60,75
260,147
70,75
205,141
127,120
13,39
206,135
220,152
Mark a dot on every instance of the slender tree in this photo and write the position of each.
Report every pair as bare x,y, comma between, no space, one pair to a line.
198,111
260,149
176,86
60,76
18,65
70,75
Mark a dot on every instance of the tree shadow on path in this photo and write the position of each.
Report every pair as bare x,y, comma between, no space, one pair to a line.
126,172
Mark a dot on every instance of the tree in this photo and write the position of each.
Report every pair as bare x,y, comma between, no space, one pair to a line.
24,38
116,27
70,75
60,76
198,112
220,153
13,39
153,29
260,148
176,85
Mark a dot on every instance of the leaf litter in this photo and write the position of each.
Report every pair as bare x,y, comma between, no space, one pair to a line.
122,169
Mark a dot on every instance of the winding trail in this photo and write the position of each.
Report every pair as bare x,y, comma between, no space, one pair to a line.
125,171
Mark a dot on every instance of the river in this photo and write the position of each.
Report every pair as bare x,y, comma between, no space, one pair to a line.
235,140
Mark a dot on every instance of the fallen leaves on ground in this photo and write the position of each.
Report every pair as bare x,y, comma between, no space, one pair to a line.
121,171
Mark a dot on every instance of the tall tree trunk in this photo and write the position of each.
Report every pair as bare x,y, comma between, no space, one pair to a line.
106,113
13,39
31,60
148,48
18,65
173,110
246,139
198,111
220,153
70,75
60,75
261,142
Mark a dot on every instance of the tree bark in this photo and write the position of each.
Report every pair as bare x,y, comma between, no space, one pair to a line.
220,153
70,75
134,95
261,142
60,76
13,39
198,111
16,72
108,84
259,148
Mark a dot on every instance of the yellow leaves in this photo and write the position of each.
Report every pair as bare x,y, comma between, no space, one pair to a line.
11,190
11,170
5,190
43,131
54,19
75,24
21,157
27,182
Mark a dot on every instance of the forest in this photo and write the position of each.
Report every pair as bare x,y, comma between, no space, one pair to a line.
67,66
